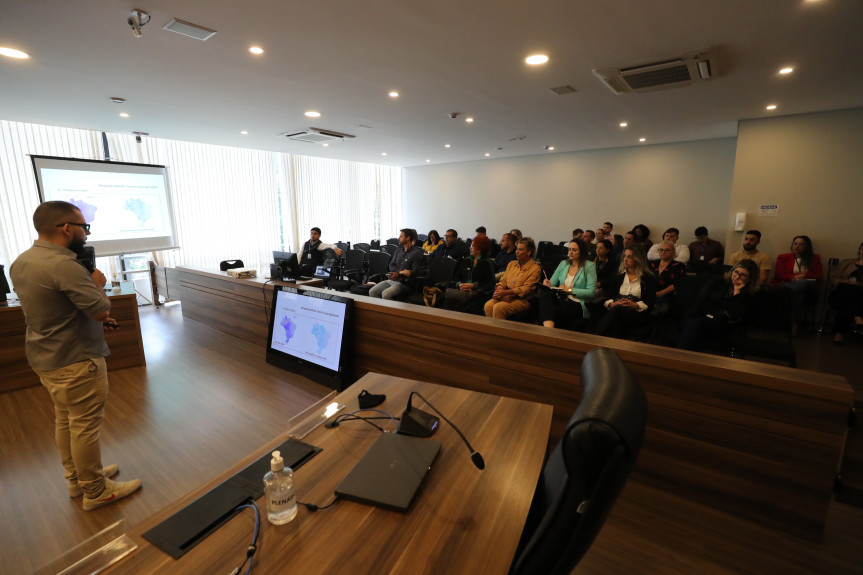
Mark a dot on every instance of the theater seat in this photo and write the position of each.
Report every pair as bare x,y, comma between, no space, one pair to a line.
586,471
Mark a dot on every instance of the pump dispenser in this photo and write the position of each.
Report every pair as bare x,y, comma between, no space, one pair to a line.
279,489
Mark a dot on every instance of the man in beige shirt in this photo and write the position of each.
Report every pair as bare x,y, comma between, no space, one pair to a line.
750,252
517,283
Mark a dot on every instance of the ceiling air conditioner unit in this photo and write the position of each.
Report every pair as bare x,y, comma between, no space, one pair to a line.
316,136
693,66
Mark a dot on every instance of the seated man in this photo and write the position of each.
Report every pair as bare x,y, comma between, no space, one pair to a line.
681,252
751,239
705,254
453,247
404,263
312,255
506,254
517,283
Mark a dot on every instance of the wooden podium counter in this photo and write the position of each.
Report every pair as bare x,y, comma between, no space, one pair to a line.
760,441
127,348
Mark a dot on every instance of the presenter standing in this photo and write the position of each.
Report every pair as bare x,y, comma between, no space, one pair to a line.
67,313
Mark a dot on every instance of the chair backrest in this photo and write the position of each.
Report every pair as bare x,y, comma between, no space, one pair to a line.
441,270
393,241
375,244
586,471
364,247
378,263
354,260
344,246
422,237
389,248
230,265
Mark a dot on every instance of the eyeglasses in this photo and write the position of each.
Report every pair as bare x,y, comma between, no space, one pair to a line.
85,226
741,275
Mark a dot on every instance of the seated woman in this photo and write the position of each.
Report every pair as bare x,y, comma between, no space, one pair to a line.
606,265
799,272
847,297
573,282
666,269
631,295
642,237
432,243
516,284
475,279
722,305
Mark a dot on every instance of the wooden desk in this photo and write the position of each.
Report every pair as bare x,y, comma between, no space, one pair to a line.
127,348
761,441
462,520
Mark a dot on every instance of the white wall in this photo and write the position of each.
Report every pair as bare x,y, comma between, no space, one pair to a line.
682,185
811,166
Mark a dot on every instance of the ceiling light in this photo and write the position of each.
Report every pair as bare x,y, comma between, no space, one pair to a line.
383,153
256,50
536,59
623,124
313,114
487,155
428,161
771,107
549,148
124,115
394,94
118,100
326,145
787,70
469,119
642,139
13,53
244,133
446,146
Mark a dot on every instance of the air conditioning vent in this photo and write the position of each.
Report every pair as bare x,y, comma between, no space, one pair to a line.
315,136
189,29
691,67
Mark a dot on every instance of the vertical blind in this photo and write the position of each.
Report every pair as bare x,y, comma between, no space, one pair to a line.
228,203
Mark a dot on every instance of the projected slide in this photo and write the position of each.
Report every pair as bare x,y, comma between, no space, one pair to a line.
308,328
116,205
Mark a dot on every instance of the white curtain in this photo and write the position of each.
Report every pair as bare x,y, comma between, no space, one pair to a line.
228,203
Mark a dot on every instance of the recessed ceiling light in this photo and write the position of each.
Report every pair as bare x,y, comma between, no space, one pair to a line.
642,139
536,59
427,161
313,114
244,132
383,153
118,100
787,70
446,145
469,119
124,115
623,124
549,148
771,107
256,50
326,145
394,94
13,53
487,155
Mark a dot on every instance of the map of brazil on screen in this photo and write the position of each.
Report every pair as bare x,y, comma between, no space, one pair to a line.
305,329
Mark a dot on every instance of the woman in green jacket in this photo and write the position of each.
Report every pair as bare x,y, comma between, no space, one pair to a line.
573,282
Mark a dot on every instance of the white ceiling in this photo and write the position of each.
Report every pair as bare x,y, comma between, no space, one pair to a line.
342,57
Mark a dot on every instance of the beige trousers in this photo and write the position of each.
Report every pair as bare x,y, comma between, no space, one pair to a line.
504,309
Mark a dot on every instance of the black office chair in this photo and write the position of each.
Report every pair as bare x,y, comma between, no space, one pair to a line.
393,241
230,265
364,247
389,248
586,471
375,244
378,265
351,273
767,331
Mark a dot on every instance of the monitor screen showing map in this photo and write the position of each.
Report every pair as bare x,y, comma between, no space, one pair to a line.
308,334
128,206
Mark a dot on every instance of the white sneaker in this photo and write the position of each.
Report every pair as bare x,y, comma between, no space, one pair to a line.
75,489
113,491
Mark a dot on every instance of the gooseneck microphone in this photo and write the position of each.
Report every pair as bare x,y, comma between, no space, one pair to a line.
421,424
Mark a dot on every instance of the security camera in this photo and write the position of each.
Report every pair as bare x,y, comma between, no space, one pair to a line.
136,30
138,139
453,115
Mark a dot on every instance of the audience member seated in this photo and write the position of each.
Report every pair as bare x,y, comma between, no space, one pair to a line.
629,239
453,247
666,270
480,231
642,237
589,236
589,239
432,243
577,234
506,253
847,297
405,262
631,296
681,252
314,251
517,283
608,228
562,300
606,265
721,307
799,271
517,233
599,235
705,255
751,239
474,279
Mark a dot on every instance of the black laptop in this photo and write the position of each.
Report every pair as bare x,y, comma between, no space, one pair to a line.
390,472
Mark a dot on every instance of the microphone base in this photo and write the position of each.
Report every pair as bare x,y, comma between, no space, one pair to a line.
417,423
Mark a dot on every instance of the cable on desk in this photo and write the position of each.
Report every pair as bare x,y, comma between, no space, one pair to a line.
312,507
353,415
250,550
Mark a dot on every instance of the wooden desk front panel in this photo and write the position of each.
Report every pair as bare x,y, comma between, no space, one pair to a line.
758,440
127,347
462,521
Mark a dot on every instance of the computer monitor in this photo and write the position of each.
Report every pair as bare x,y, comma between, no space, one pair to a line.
287,264
4,285
310,335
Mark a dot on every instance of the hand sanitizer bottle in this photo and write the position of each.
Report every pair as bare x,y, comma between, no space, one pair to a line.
279,489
